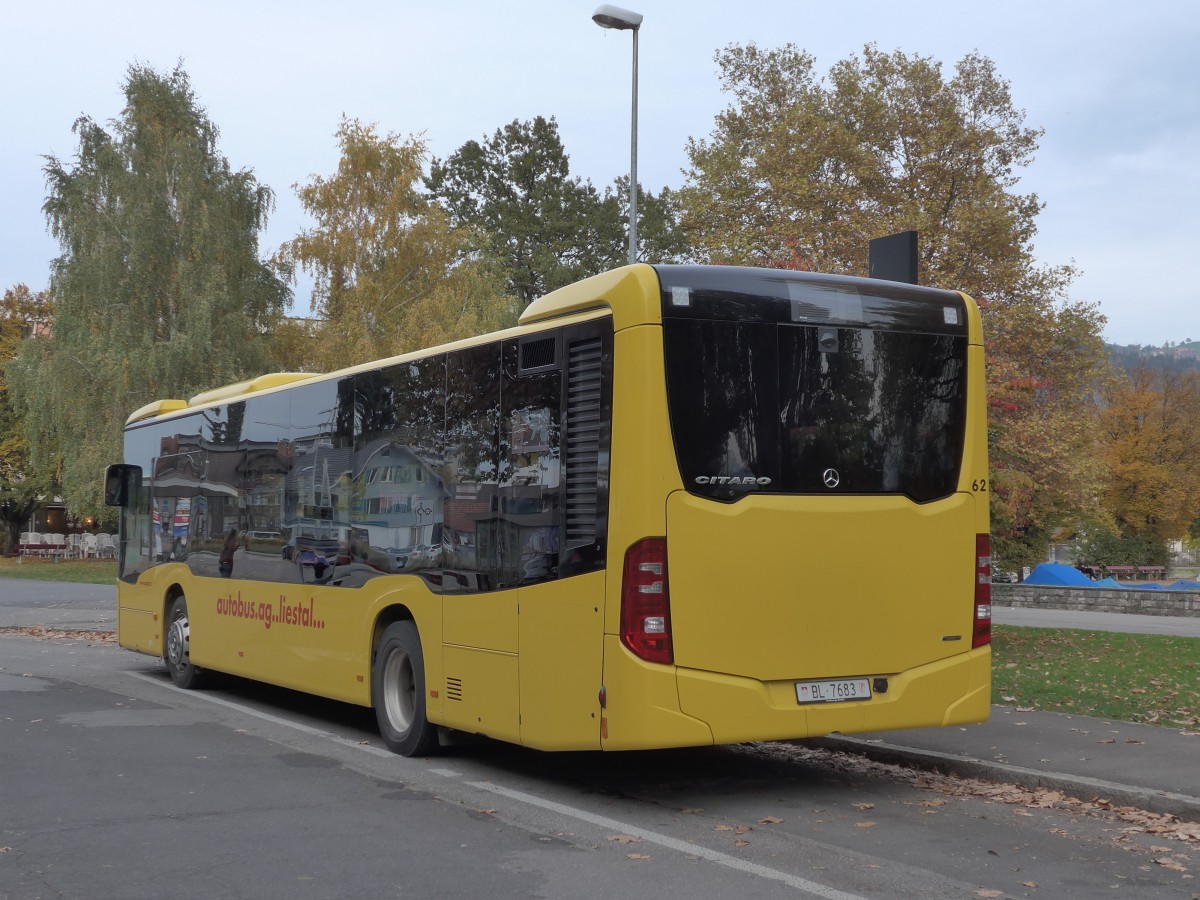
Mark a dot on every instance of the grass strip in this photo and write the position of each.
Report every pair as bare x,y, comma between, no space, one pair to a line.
87,571
1148,678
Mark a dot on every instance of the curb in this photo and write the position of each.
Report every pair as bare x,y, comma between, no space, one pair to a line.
1167,803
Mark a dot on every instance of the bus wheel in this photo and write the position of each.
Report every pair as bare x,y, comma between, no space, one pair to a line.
178,650
398,691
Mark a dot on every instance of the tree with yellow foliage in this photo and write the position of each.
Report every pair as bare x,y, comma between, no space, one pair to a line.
391,275
1150,444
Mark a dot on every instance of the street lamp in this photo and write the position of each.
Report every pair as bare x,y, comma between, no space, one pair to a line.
609,16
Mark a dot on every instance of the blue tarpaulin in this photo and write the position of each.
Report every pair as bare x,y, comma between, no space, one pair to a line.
1060,575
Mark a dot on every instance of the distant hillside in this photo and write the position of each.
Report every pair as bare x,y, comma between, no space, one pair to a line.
1172,357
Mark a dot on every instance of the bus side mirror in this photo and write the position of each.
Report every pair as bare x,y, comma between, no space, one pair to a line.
121,482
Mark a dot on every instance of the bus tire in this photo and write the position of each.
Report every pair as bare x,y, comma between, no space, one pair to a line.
177,652
398,692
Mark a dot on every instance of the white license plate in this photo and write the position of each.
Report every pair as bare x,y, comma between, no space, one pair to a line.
834,691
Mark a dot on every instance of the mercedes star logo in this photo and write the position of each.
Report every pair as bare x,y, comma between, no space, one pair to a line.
831,478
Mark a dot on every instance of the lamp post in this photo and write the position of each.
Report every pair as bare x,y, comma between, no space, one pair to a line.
609,16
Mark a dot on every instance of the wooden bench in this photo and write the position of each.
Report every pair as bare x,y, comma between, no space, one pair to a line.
1152,572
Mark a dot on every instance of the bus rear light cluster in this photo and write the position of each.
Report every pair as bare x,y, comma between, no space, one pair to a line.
646,602
981,632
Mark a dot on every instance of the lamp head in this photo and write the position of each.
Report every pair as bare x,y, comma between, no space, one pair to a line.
609,16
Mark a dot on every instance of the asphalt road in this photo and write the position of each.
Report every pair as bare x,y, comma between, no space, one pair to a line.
116,784
1129,623
113,783
66,605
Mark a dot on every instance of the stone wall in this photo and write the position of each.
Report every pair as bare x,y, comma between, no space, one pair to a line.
1113,600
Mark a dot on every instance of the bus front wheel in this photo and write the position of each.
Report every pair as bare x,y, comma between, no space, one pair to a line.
398,692
178,648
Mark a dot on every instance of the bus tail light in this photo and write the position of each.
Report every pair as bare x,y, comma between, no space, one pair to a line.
981,632
646,602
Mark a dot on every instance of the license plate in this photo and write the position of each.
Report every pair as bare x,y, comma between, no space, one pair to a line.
835,691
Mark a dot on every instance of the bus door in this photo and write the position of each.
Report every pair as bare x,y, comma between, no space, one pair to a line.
553,502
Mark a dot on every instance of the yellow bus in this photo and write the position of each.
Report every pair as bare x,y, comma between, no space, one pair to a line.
675,506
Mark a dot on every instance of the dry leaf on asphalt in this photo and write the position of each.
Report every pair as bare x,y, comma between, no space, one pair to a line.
862,806
636,856
1171,864
988,892
864,824
625,838
741,843
769,820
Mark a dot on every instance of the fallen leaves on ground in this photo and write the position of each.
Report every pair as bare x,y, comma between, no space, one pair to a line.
41,631
1173,865
1137,821
625,838
736,829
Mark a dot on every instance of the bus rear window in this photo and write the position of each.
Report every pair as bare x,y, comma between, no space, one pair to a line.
815,409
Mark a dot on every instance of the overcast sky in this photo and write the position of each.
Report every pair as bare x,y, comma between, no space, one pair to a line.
1114,85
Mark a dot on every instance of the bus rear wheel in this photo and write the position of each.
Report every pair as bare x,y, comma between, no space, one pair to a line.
177,653
398,692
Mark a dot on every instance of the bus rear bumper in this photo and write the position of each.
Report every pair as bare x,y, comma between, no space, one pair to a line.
952,691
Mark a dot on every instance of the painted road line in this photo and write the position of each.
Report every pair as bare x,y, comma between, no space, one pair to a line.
670,843
267,717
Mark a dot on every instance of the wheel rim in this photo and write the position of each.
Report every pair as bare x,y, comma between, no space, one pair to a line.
178,641
399,690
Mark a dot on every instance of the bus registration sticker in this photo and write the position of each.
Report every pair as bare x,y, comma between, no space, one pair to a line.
835,691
